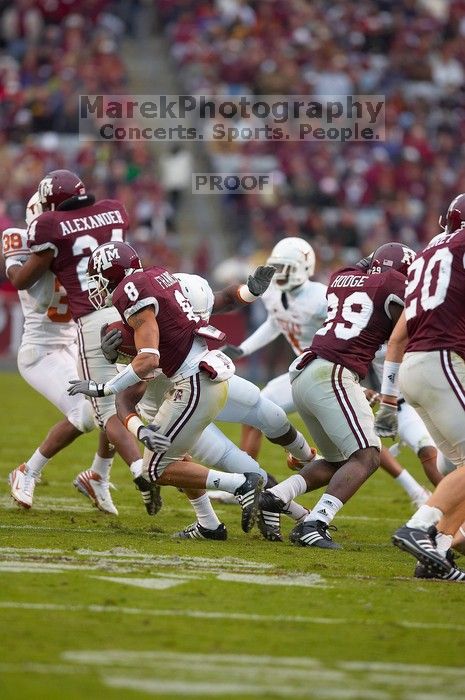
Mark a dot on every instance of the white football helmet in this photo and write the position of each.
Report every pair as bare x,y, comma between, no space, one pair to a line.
33,209
294,260
197,290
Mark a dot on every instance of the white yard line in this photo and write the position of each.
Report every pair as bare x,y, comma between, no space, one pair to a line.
303,580
221,615
154,584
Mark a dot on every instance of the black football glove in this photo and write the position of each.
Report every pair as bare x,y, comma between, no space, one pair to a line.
365,262
110,342
232,351
260,280
155,441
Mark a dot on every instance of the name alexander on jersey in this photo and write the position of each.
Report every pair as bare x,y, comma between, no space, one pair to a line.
87,223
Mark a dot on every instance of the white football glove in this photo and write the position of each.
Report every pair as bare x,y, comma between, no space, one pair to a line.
386,420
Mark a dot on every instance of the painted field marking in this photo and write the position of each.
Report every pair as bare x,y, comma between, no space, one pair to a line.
154,584
221,615
303,580
179,674
209,563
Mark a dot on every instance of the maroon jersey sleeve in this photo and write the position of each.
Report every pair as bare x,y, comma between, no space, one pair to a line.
42,234
177,322
73,235
133,294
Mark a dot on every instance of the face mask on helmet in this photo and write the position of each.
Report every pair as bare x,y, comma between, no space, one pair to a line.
454,218
294,261
33,209
107,266
198,292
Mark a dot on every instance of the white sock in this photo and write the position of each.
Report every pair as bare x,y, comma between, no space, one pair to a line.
325,509
204,512
290,488
425,517
408,483
443,543
220,481
299,448
136,468
36,463
295,511
102,466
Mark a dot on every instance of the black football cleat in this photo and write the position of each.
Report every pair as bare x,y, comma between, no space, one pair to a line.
247,496
313,533
270,508
150,493
455,574
196,531
421,545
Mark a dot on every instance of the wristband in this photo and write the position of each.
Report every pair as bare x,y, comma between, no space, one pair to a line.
245,295
153,351
390,384
10,262
122,380
133,423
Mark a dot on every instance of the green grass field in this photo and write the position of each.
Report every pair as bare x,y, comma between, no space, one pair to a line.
93,606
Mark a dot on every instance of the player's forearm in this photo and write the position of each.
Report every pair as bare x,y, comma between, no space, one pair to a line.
261,337
128,399
394,353
227,299
23,276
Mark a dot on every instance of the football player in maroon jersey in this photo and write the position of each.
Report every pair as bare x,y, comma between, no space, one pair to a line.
364,304
431,333
170,336
61,239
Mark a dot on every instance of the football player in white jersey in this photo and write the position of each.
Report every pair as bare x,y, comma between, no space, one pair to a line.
213,447
47,356
296,308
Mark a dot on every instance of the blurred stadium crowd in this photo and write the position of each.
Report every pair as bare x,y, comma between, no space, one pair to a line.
50,52
342,197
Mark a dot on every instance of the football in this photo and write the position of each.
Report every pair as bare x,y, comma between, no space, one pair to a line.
127,349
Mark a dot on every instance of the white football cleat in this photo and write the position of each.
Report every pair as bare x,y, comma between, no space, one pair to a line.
421,497
92,485
222,497
22,486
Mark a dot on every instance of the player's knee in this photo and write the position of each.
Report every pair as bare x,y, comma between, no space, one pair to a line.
369,457
444,465
273,420
82,417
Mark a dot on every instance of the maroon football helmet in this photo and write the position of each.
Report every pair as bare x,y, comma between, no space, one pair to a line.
107,266
392,256
455,215
58,186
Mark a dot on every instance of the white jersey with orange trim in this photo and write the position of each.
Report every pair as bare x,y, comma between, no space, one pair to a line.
297,315
47,319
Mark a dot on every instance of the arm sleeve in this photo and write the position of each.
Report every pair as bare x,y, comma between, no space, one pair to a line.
264,334
41,235
133,294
